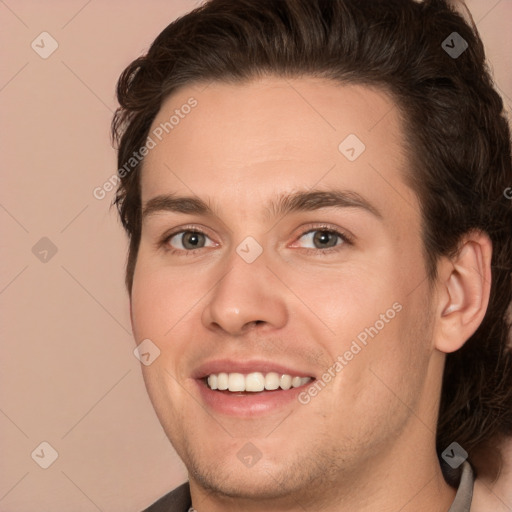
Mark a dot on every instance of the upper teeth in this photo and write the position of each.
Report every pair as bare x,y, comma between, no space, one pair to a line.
254,381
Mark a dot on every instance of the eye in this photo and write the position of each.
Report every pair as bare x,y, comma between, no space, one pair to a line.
187,240
324,238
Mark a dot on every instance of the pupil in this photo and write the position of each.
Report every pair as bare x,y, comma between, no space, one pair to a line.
192,239
322,237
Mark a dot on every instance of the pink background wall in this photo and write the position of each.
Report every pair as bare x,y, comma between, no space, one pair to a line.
68,375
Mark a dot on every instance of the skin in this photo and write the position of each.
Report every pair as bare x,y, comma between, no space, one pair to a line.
367,440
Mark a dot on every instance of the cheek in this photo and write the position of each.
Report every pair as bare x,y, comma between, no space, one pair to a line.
398,357
382,378
377,326
160,298
346,299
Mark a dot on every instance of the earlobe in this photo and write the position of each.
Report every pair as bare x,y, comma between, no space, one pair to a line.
465,290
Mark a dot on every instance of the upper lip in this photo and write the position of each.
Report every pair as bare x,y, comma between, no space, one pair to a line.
246,366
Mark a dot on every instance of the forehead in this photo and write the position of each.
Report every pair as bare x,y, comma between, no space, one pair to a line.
275,134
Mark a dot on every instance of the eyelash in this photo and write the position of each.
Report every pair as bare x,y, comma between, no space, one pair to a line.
345,238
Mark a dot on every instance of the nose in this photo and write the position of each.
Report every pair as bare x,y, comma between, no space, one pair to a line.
246,295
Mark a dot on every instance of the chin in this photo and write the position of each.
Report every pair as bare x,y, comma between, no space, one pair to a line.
254,485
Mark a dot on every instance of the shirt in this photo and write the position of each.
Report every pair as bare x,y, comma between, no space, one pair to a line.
179,500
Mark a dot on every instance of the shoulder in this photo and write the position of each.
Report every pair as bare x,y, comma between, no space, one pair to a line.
177,500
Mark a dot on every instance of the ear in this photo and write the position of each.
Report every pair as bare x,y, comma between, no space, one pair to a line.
464,285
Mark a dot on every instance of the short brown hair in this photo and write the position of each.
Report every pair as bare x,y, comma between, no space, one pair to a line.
457,141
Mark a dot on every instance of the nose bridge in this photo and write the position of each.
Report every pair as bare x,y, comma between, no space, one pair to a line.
246,293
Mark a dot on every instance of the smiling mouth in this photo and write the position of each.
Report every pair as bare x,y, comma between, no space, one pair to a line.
254,382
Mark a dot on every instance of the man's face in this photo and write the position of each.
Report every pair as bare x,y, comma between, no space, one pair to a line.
344,282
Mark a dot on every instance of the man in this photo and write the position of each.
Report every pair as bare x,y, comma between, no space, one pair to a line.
320,253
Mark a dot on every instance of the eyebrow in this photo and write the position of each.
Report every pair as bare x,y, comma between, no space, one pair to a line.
299,201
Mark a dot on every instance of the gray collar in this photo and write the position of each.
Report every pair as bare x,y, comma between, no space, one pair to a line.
464,496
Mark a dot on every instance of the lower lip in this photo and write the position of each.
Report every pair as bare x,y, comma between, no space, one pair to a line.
248,404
